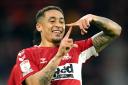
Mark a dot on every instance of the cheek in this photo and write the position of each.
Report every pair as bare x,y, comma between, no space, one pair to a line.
63,31
47,28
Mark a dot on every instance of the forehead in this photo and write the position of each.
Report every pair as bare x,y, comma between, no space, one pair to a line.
53,13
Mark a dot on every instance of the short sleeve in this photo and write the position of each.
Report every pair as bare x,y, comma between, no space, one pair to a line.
25,65
14,78
86,50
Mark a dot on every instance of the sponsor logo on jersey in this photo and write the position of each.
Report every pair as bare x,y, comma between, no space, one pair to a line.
65,71
43,60
21,55
66,57
22,58
25,67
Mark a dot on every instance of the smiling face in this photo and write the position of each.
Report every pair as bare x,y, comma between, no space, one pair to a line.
51,26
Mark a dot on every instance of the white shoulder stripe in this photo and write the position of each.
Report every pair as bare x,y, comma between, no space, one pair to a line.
86,54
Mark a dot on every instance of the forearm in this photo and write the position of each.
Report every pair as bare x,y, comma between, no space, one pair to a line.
44,76
108,26
49,71
110,31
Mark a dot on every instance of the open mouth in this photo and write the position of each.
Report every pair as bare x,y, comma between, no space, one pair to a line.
57,31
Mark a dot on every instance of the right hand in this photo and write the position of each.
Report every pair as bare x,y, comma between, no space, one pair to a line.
66,44
83,23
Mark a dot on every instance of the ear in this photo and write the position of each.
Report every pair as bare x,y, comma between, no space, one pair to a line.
39,27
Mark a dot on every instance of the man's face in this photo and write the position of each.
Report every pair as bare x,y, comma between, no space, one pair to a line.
53,26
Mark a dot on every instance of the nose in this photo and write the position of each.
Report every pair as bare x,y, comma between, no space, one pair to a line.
58,24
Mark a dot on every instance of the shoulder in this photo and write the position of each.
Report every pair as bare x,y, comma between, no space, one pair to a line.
29,49
26,51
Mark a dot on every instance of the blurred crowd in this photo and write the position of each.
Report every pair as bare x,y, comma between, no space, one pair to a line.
17,22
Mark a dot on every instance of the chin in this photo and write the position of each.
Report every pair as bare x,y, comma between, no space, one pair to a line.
56,40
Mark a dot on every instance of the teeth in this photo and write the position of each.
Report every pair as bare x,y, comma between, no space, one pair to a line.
57,31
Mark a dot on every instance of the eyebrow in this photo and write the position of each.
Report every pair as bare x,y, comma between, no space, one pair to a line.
55,18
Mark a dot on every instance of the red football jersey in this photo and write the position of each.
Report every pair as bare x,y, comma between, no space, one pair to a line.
32,60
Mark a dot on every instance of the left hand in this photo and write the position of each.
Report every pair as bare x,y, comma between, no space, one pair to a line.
83,23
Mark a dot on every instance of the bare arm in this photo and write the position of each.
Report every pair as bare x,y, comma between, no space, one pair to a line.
44,76
110,31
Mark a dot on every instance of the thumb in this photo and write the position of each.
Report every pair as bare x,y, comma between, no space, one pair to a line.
69,25
75,45
72,24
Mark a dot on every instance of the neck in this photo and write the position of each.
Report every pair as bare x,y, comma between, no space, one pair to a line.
47,44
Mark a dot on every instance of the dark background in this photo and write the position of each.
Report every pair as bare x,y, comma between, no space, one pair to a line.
17,22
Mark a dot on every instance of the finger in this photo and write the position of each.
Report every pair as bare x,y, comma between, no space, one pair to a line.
72,24
75,45
70,41
85,24
83,31
68,33
69,25
81,26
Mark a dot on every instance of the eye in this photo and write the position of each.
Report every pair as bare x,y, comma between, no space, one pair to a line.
52,21
62,22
